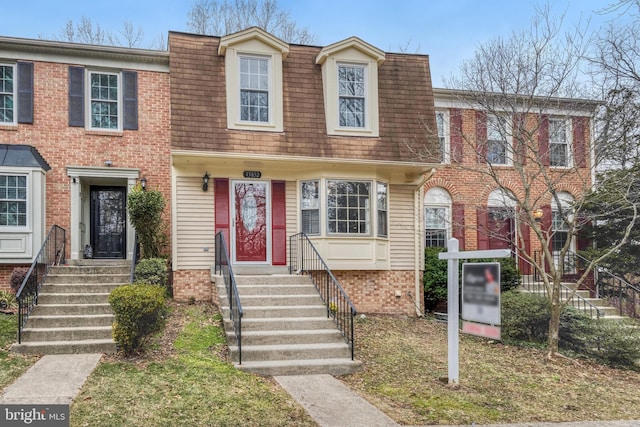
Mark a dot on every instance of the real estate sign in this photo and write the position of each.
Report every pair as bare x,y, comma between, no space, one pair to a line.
481,298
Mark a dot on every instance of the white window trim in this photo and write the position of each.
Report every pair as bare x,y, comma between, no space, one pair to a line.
270,122
447,205
88,100
27,226
446,134
15,95
569,142
507,137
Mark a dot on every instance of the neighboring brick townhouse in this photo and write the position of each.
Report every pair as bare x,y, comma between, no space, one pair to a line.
293,139
80,125
463,202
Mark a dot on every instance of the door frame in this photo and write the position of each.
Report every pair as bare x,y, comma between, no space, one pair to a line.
233,213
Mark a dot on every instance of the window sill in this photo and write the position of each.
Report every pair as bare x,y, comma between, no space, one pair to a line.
116,133
354,132
9,127
255,126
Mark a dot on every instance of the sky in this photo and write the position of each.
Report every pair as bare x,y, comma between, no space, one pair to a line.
447,30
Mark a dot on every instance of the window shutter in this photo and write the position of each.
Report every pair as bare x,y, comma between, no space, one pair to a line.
457,215
76,96
579,125
278,223
25,92
221,200
520,135
483,231
481,136
543,140
130,98
455,132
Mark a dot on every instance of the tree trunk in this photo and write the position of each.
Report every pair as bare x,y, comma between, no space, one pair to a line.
554,321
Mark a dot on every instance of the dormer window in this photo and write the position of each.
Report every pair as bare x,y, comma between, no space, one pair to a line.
254,89
350,86
253,72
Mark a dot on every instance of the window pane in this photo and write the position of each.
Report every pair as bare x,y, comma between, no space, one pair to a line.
558,154
348,207
310,205
496,152
436,218
104,101
13,195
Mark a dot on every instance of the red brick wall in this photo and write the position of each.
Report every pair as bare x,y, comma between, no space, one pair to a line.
195,284
147,148
374,292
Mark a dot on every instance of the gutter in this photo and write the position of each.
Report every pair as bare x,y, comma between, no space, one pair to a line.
418,239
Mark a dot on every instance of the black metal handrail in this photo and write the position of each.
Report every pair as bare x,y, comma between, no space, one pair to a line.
534,283
223,266
305,259
51,253
604,284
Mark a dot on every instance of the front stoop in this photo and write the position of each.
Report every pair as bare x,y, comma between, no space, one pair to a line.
73,314
285,329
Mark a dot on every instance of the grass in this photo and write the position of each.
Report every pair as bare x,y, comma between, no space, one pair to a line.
11,365
187,383
405,370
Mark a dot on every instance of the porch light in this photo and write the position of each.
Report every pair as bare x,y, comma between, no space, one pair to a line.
143,183
205,181
537,215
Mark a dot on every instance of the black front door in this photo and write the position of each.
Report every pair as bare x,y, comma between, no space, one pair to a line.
108,222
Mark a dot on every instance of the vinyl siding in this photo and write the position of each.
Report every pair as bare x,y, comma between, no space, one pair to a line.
195,228
401,227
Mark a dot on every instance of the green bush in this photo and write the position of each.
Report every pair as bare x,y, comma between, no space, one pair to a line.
152,271
576,330
139,311
616,343
145,211
434,278
509,274
525,317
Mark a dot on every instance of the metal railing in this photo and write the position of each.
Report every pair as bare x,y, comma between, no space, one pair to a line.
533,283
51,253
223,266
134,259
305,259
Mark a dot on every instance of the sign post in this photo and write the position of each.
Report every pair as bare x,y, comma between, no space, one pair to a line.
453,255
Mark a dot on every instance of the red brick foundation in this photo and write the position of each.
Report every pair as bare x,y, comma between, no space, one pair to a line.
195,284
374,292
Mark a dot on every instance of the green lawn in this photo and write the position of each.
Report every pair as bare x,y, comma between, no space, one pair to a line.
11,365
191,386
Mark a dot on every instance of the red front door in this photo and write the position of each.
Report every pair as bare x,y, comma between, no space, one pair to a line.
250,201
501,230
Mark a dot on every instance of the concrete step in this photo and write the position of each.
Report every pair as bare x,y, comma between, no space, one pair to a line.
306,289
275,337
282,323
66,333
302,367
272,280
280,300
77,288
66,347
104,262
71,309
73,298
65,321
86,270
71,278
254,353
270,311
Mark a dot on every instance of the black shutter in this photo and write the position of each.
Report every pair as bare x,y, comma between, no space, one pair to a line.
130,96
25,92
76,96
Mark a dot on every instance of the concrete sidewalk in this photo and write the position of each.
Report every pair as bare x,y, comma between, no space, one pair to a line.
332,404
54,379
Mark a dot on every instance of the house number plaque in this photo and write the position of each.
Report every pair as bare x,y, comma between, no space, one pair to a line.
252,174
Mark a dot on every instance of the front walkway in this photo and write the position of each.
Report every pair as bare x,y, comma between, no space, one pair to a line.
54,379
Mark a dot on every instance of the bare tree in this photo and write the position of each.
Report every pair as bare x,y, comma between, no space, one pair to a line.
508,90
215,17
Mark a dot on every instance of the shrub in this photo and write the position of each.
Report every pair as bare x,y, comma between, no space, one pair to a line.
139,311
434,278
152,271
616,343
17,277
509,274
576,330
525,317
8,300
145,211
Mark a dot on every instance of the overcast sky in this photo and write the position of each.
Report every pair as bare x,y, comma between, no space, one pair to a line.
447,30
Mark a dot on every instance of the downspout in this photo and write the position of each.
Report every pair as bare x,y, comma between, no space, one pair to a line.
419,258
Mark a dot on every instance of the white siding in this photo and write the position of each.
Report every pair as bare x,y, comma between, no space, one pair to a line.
402,230
195,224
